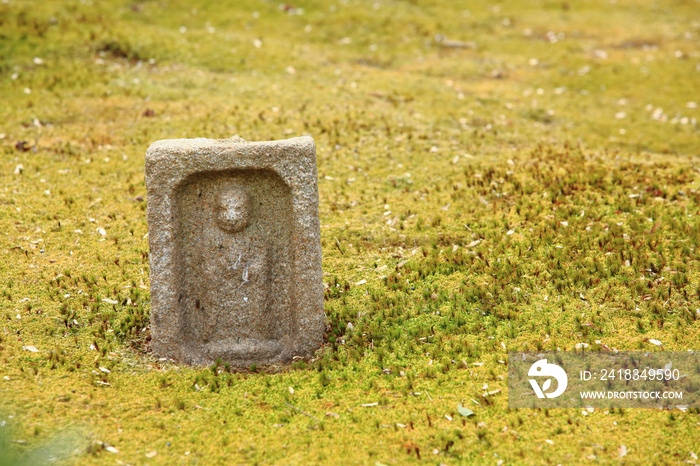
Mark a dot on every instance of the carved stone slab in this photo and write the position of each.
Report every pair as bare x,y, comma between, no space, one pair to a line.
235,250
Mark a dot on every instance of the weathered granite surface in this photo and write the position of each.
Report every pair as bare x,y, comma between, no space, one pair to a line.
235,250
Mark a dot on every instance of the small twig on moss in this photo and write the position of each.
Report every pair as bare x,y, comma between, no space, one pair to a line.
340,248
302,412
581,422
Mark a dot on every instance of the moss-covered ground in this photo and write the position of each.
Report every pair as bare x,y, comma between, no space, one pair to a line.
493,176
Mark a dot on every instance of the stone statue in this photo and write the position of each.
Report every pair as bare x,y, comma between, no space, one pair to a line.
235,250
235,260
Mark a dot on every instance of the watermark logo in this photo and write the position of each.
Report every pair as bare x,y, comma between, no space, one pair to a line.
604,379
543,369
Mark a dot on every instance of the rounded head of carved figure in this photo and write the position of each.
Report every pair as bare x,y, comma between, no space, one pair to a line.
233,208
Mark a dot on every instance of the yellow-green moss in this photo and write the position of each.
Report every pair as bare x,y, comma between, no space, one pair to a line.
532,184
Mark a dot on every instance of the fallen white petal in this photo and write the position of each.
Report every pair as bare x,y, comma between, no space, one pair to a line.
623,451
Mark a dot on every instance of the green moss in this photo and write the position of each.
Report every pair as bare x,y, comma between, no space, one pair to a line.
536,191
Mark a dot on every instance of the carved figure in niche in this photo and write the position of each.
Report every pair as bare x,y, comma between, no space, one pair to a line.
236,268
235,250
